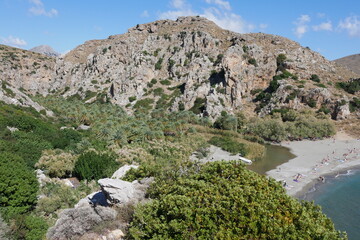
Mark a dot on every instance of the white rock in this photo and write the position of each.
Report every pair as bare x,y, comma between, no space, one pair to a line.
123,170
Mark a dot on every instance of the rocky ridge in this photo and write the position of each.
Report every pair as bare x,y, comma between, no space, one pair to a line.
189,64
351,62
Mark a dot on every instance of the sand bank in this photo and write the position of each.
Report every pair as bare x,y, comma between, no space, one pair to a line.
316,159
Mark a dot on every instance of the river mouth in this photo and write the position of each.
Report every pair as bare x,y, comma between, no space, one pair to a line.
274,156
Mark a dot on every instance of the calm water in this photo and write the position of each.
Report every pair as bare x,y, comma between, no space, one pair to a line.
274,156
340,200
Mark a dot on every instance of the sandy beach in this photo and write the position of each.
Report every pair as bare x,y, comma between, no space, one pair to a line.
315,160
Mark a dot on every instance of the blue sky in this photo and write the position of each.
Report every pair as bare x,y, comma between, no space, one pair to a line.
331,27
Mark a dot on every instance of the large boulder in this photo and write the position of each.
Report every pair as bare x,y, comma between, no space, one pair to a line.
120,173
121,192
75,222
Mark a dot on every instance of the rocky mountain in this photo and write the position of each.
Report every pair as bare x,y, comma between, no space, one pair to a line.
46,50
27,71
352,62
187,64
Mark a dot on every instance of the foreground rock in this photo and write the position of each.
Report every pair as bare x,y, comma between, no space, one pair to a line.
122,192
120,173
75,222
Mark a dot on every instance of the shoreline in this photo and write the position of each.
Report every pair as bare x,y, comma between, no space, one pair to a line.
315,161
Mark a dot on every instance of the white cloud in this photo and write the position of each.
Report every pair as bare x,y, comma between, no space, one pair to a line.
228,20
13,41
145,14
178,4
221,15
320,15
302,25
181,9
325,26
263,26
351,25
39,9
220,3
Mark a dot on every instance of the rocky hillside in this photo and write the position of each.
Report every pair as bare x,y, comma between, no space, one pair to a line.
352,62
46,50
193,64
27,71
187,64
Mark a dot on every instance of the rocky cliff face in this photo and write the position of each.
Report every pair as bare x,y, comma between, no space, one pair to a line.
28,71
189,64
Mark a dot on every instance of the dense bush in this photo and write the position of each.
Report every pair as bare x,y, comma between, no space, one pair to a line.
229,144
91,165
315,78
29,227
226,201
226,122
291,126
18,185
56,162
351,86
199,106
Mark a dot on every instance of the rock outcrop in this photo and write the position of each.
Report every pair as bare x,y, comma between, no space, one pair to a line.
75,222
122,192
120,173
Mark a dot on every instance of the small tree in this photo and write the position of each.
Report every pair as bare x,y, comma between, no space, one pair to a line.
92,165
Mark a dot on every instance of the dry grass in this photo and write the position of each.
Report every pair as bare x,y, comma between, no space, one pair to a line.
350,126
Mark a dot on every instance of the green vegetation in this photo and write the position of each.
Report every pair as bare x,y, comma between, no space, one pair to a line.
252,61
354,105
352,86
229,144
132,98
199,105
224,200
144,104
18,185
165,82
286,124
315,78
158,64
91,165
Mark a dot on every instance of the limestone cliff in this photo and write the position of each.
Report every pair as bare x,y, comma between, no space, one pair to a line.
188,64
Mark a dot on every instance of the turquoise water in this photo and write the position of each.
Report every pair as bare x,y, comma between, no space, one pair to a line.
340,200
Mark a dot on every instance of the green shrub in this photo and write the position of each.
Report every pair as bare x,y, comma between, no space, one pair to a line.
315,78
181,106
91,165
165,82
153,81
18,185
224,200
132,98
252,61
226,122
158,91
229,144
144,104
280,59
351,86
311,103
158,64
199,106
354,105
